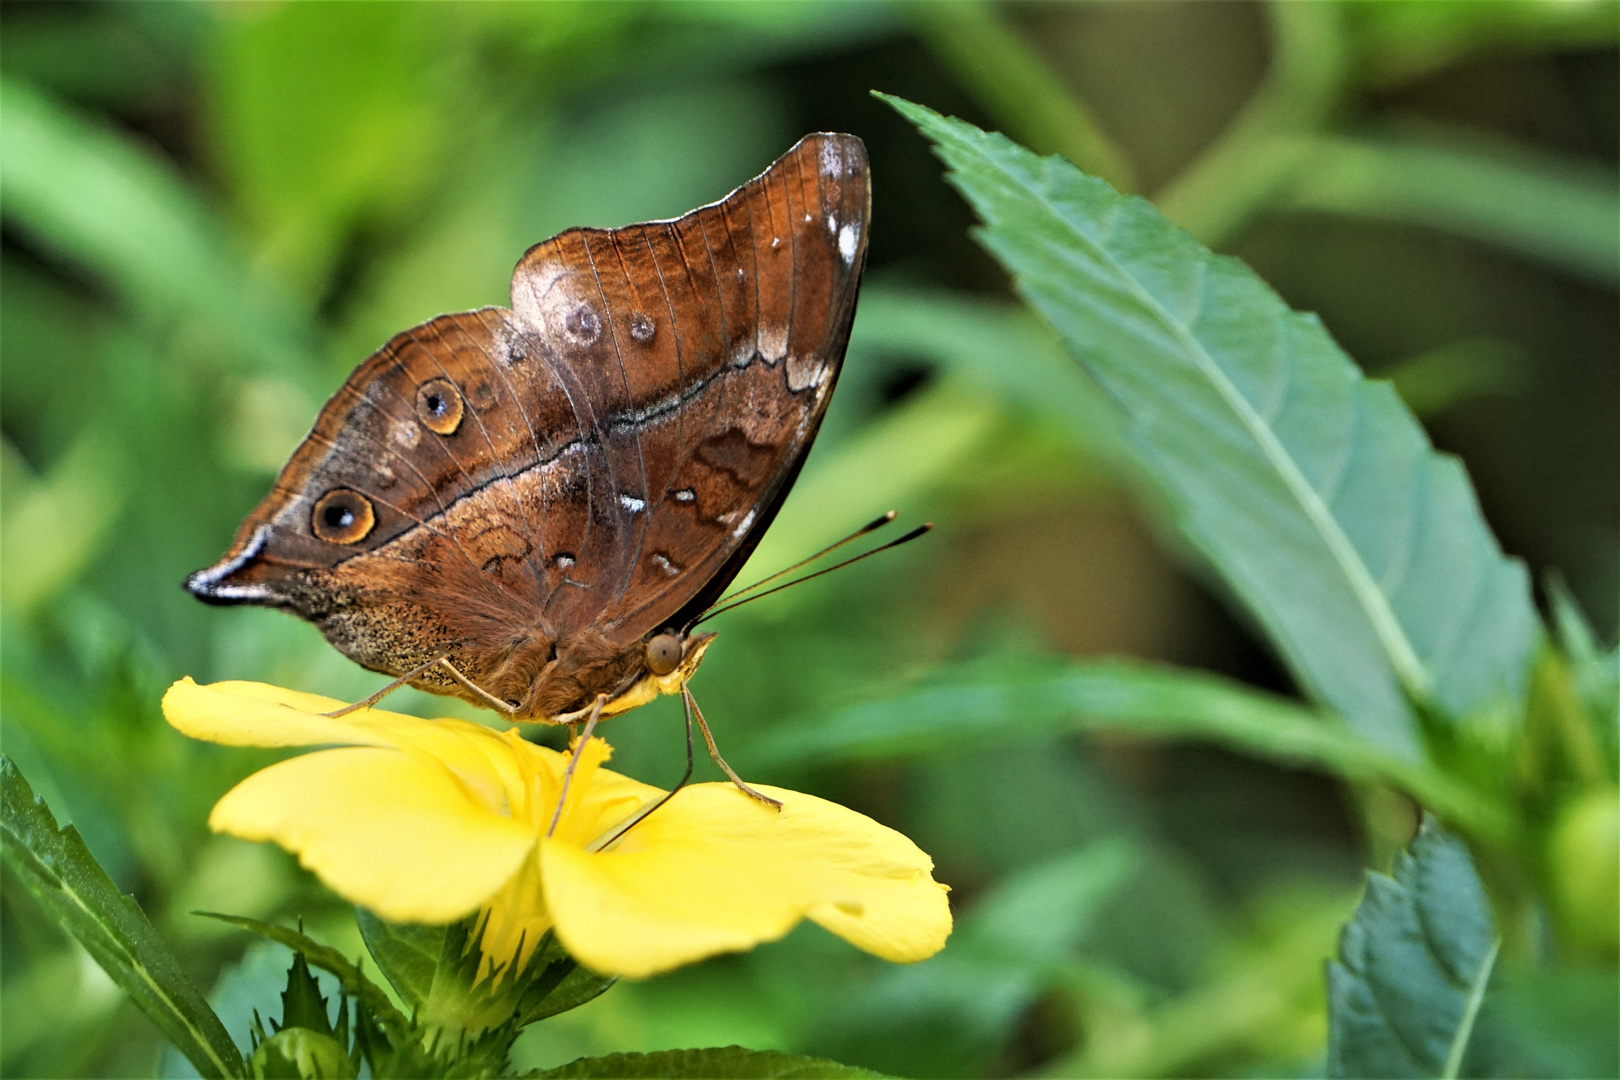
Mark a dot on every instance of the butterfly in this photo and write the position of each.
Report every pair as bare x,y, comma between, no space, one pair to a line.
530,508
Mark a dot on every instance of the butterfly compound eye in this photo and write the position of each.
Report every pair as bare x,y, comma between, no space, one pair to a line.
663,654
343,517
438,405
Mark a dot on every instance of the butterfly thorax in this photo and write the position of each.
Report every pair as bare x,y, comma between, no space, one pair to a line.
546,681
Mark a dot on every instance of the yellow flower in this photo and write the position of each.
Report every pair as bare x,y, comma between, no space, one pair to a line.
430,821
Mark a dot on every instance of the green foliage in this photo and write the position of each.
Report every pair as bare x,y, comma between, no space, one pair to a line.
408,955
1029,698
126,216
213,212
1311,491
349,976
944,1016
1545,205
1408,995
720,1063
464,1018
295,1053
305,1043
1301,483
58,870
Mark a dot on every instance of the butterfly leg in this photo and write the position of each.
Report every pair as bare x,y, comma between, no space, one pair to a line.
668,795
714,752
505,708
502,707
579,748
368,702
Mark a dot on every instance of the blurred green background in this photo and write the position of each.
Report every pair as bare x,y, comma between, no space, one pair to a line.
212,213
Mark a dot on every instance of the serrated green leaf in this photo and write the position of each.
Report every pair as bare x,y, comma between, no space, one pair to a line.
978,704
563,984
406,955
1312,491
350,977
302,1004
1407,995
718,1063
59,870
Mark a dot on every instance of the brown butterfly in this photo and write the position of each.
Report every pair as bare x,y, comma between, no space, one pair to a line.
531,508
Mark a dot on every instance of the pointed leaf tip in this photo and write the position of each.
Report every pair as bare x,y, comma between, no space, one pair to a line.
1312,490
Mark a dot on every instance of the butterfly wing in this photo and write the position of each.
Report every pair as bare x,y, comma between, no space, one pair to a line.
599,460
708,348
440,447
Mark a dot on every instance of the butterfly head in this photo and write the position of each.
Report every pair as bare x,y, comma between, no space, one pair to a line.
671,658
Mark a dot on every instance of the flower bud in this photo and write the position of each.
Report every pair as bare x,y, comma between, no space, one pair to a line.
297,1053
1584,868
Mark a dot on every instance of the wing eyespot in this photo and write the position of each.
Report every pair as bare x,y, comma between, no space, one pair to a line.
439,406
343,516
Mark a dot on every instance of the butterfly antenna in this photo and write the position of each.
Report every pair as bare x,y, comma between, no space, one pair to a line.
906,539
871,526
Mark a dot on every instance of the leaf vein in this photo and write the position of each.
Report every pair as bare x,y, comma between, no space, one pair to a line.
1374,604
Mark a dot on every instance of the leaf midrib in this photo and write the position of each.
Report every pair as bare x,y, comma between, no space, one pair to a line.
1465,1025
1409,669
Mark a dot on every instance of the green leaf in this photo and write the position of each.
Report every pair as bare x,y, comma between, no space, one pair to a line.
717,1063
1312,491
59,870
974,705
350,977
562,983
1406,996
302,1004
407,955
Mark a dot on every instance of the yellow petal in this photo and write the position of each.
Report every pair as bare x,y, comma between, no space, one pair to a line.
714,871
386,829
257,714
598,799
